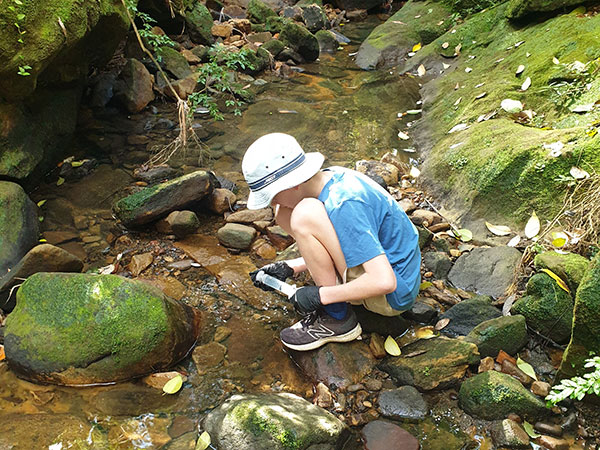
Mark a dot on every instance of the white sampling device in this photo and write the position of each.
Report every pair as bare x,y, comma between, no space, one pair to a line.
281,286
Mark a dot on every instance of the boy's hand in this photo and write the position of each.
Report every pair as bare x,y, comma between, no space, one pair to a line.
279,270
307,299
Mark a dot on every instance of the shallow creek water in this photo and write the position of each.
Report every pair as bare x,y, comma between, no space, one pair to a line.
331,107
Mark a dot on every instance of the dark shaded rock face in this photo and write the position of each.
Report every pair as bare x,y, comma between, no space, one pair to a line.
78,329
134,87
274,421
300,40
467,314
18,225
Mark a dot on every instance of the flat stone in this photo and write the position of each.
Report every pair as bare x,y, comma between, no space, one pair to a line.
552,443
208,356
139,263
236,235
250,216
382,435
485,271
60,237
222,333
404,402
182,265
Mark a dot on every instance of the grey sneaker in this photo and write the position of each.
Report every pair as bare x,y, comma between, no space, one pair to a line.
319,328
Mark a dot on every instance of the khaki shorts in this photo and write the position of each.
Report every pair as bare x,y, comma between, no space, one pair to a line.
378,304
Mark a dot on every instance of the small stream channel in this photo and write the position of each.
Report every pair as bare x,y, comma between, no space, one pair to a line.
331,107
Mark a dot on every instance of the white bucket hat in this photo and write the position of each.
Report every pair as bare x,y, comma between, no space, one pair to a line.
276,162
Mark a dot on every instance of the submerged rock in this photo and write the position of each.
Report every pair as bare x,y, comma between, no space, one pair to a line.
547,308
274,421
509,433
156,201
18,225
437,363
585,339
382,435
79,329
404,402
570,267
493,396
41,258
486,271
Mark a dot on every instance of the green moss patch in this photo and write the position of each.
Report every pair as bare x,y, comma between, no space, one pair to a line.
570,267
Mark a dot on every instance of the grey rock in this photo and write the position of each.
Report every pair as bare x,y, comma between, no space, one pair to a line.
486,271
314,18
437,262
183,223
467,314
260,421
404,402
235,235
382,435
133,89
327,42
423,311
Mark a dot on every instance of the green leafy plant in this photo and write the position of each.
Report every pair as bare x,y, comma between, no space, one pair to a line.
155,41
24,71
217,78
18,23
577,387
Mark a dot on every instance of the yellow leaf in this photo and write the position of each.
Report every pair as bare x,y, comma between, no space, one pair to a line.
526,368
498,230
416,47
530,431
41,203
76,163
533,226
421,70
391,346
425,285
203,441
558,280
43,241
60,181
559,239
425,332
173,385
2,355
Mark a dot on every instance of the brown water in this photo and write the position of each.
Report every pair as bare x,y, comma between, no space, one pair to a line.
331,107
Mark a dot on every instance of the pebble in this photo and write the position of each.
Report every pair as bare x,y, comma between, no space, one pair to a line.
540,388
486,364
323,396
373,385
552,443
355,387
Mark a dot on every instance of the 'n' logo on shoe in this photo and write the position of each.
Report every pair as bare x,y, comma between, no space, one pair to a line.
319,331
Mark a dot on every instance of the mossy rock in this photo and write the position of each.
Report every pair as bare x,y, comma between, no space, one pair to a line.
174,63
301,40
274,47
479,171
585,339
78,329
388,44
439,363
569,267
274,421
327,41
508,333
154,202
547,308
258,12
517,9
466,7
92,32
199,23
493,396
18,225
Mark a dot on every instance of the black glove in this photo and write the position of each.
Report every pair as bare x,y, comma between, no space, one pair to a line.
306,299
279,270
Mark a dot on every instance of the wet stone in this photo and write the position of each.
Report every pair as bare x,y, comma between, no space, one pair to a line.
221,200
377,346
184,442
404,403
222,333
181,425
382,435
182,265
425,310
323,397
373,385
279,237
139,263
509,433
513,370
540,388
549,428
466,315
208,356
552,443
237,236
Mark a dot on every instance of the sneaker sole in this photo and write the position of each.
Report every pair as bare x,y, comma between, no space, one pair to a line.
346,337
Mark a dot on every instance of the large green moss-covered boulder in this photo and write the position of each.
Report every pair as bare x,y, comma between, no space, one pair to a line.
585,340
78,329
274,421
18,225
493,396
91,33
390,42
258,12
518,9
547,308
569,267
466,7
153,202
301,40
199,22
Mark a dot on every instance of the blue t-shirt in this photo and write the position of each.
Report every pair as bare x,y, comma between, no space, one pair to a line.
369,222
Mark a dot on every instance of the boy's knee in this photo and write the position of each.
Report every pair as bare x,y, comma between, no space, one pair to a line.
308,216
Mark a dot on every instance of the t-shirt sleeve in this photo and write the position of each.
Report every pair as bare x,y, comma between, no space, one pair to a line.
357,231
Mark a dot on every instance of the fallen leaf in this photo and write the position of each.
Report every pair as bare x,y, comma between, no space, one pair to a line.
533,226
559,239
485,117
425,332
173,385
457,49
578,174
403,136
457,86
555,149
62,27
514,241
2,354
414,172
555,60
526,367
480,96
498,230
457,102
41,203
445,45
464,235
60,181
425,285
441,324
416,47
477,86
414,111
468,70
518,44
530,431
459,127
558,280
511,106
203,441
526,84
391,347
520,70
287,111
582,108
421,71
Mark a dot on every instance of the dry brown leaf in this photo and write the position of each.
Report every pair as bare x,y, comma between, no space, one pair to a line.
441,324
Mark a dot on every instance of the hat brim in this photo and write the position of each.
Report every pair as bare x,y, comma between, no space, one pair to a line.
311,165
